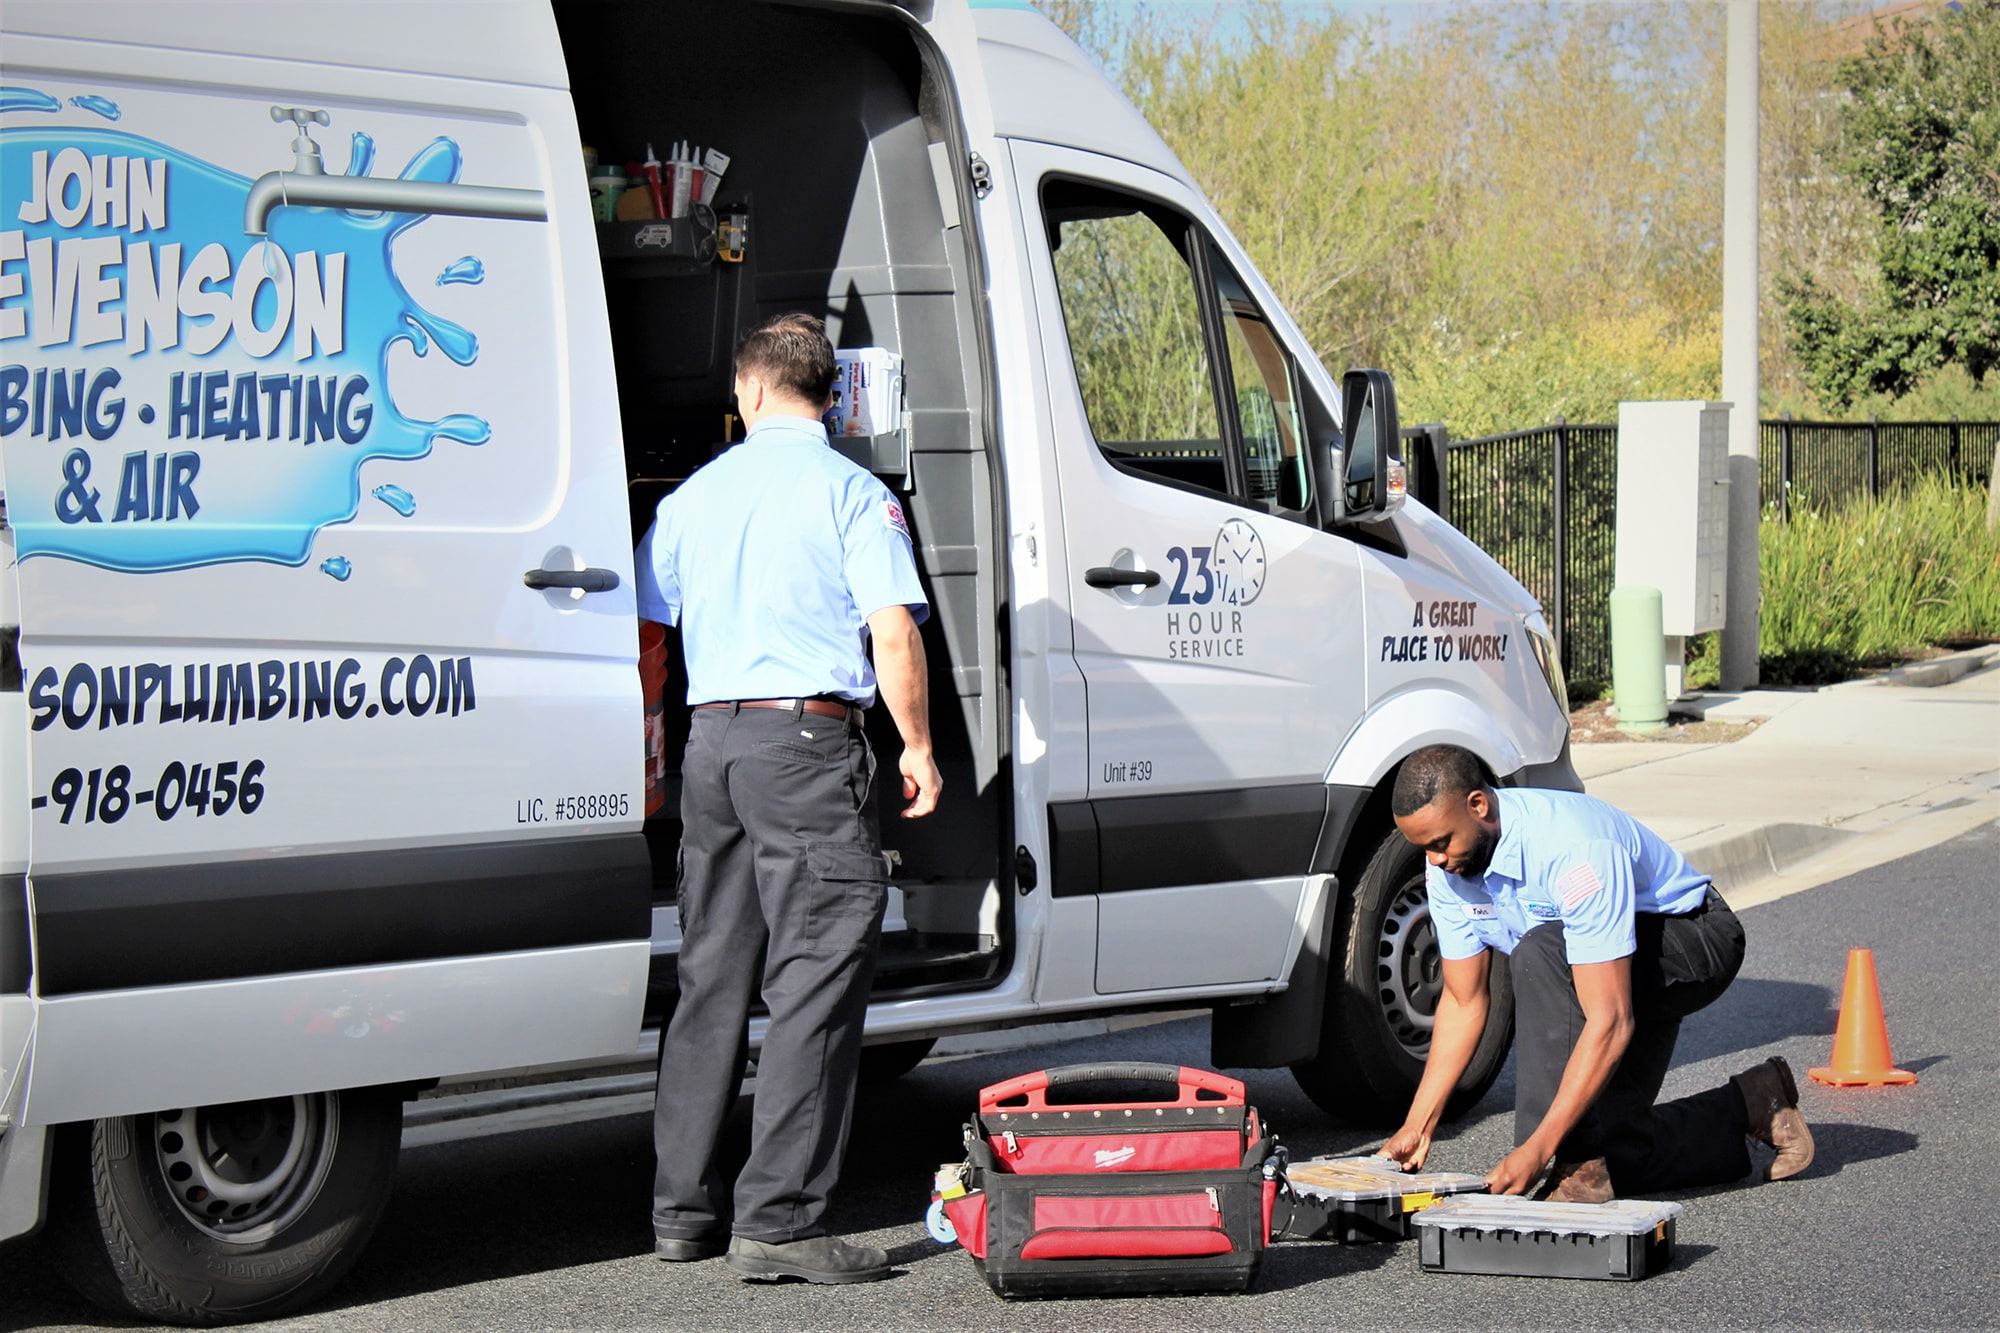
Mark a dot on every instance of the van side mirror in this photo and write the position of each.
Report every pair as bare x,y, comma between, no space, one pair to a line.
1373,479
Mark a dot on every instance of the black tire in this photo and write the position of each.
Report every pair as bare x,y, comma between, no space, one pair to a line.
1382,994
891,1060
126,1194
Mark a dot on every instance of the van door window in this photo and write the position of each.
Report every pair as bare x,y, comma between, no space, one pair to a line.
1132,311
1268,397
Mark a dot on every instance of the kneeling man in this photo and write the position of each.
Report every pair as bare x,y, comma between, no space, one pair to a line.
1613,939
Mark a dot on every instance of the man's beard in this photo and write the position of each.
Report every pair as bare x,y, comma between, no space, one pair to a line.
1481,856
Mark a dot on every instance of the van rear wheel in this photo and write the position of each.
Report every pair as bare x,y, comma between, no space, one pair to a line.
218,1214
1382,1000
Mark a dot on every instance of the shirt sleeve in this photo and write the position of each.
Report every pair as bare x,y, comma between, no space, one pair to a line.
1455,936
1594,890
659,588
877,557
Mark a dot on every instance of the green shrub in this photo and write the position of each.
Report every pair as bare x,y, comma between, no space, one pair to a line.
1868,584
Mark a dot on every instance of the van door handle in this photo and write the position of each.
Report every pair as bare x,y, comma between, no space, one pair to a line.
1110,576
589,580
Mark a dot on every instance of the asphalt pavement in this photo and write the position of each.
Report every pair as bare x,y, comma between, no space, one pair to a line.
1894,1225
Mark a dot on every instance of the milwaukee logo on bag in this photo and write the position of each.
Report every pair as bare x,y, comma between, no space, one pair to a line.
1075,1198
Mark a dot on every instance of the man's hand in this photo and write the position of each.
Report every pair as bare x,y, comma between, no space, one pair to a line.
1517,1171
1408,1147
921,783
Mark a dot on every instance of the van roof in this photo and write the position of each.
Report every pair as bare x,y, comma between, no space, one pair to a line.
1042,86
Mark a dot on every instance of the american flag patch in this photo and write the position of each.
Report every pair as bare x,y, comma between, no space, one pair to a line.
1578,884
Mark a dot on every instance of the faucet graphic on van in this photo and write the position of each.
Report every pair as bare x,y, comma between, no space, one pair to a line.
307,185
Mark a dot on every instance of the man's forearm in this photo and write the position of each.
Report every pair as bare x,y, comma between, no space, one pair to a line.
1454,1037
902,673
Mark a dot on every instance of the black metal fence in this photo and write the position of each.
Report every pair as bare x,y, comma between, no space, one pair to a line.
1817,464
1544,503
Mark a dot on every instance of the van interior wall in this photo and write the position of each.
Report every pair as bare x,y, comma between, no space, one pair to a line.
821,114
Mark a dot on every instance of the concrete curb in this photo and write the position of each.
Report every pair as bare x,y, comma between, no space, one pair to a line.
1736,861
1939,670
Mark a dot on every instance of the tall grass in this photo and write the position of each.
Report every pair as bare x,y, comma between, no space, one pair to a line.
1867,584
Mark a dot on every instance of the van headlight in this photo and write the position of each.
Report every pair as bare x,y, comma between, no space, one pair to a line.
1544,645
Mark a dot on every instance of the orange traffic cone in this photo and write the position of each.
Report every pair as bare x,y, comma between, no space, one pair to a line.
1861,1043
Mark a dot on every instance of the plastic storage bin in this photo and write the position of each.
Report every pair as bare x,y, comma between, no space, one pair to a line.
1356,1200
1621,1241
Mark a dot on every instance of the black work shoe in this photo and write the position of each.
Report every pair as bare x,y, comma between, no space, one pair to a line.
815,1259
686,1249
1771,1100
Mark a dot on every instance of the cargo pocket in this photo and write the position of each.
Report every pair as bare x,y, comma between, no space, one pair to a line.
849,892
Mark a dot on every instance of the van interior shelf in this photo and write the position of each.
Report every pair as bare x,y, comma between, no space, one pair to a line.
672,245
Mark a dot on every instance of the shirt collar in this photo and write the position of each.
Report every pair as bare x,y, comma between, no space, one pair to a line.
776,429
1507,859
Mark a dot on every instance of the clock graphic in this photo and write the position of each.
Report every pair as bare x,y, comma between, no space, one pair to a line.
1238,561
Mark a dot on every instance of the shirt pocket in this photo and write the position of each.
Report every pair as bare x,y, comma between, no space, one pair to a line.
849,891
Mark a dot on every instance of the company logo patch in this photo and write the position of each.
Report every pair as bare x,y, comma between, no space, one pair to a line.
1106,1158
892,516
1545,911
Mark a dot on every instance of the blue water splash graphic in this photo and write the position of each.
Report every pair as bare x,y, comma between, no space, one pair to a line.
103,106
467,270
27,99
263,501
339,566
397,499
360,154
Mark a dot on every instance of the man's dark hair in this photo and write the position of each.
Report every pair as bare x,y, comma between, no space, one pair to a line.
792,355
1447,771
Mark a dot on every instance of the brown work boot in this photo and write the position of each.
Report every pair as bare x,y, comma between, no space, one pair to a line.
1577,1182
1771,1098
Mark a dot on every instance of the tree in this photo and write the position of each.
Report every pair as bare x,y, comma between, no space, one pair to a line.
1922,132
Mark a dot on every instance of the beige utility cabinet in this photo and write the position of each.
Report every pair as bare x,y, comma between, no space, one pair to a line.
1673,509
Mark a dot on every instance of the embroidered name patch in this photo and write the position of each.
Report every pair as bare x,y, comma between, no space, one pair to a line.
1479,911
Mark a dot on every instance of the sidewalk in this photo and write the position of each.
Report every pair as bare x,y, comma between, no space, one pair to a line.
1912,763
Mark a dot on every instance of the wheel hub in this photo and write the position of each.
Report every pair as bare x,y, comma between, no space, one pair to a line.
1409,969
246,1170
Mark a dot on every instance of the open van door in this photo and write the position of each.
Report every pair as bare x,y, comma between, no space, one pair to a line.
314,474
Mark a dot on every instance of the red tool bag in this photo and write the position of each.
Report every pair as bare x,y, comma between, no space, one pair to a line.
1111,1198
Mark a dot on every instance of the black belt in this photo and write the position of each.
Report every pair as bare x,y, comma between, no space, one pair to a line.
819,707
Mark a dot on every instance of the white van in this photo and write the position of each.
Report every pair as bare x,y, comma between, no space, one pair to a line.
330,417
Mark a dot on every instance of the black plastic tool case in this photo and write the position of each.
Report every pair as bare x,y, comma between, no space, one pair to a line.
1357,1200
1621,1241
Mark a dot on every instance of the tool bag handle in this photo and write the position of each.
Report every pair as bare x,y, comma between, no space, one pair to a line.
1188,1084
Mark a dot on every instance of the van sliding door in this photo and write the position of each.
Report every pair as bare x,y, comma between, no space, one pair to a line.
314,472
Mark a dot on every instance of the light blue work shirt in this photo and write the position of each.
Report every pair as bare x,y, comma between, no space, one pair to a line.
1563,856
771,558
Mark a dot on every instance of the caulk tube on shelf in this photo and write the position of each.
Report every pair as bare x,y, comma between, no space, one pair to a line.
714,162
683,182
695,174
654,184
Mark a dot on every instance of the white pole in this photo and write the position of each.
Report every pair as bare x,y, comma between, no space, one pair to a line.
1739,341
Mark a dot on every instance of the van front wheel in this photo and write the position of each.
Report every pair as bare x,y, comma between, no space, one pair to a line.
218,1214
1382,996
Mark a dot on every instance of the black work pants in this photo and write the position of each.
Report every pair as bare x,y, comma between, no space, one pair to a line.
782,891
1682,964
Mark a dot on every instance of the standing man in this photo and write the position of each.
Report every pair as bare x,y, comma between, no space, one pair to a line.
781,561
1613,940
